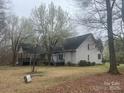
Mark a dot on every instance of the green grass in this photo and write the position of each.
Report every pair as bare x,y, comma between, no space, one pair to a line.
121,67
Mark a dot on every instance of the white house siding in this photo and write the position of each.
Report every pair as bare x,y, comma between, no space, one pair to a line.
82,51
70,57
55,57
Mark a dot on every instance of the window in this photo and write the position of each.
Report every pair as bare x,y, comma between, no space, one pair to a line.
95,46
60,56
99,56
88,47
88,57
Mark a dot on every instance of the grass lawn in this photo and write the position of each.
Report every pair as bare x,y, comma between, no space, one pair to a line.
11,78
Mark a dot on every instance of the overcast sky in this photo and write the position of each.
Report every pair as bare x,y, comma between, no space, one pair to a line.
24,7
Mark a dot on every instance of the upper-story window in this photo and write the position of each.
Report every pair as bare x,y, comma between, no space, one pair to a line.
88,57
95,46
88,47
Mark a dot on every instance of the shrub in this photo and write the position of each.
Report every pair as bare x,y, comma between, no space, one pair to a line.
45,63
104,61
83,63
89,64
60,63
93,64
70,64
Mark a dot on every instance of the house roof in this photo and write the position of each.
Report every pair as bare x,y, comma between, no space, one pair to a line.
58,49
29,48
75,42
70,44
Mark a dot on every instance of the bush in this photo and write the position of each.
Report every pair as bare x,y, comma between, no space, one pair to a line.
93,64
84,63
45,63
70,64
89,64
104,61
60,63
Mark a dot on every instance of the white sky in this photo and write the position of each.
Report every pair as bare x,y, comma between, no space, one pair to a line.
24,7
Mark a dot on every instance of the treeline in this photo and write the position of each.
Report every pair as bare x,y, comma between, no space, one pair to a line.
106,17
47,27
119,50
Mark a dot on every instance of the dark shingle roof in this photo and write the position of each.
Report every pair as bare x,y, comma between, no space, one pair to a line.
58,49
69,44
29,48
74,43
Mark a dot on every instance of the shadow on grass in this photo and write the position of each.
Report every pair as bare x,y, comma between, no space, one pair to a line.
37,73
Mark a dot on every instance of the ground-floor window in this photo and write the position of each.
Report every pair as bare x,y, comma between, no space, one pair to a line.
88,57
60,56
99,56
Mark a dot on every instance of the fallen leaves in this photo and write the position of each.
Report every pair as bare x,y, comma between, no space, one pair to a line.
91,84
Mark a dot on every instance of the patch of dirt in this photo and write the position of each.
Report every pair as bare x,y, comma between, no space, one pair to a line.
101,83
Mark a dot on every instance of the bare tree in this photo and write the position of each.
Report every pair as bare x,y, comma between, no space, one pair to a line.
2,20
113,66
19,30
102,16
123,10
52,25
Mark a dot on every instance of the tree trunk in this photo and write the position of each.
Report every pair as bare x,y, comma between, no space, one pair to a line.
49,58
49,55
123,11
34,62
113,66
14,59
33,66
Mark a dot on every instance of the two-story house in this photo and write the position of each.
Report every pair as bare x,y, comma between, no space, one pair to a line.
78,48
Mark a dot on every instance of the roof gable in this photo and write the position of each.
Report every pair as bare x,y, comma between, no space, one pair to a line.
75,42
